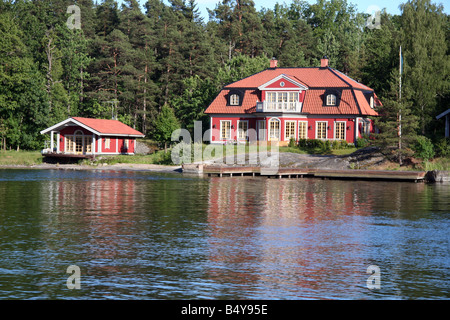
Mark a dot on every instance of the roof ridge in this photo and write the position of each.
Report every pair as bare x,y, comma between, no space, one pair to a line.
335,70
229,84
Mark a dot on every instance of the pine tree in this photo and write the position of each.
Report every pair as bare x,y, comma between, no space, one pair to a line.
427,64
396,123
23,108
164,125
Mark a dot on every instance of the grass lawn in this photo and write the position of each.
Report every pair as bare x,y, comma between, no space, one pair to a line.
23,158
28,158
437,164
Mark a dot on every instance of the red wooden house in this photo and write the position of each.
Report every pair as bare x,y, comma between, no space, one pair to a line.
87,137
300,103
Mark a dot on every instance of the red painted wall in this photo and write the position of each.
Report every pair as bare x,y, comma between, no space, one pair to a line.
349,126
116,143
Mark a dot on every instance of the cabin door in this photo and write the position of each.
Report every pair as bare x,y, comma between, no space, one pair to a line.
78,144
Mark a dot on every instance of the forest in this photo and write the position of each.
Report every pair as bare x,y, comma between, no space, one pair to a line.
141,62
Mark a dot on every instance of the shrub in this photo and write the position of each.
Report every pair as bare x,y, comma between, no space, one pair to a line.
292,142
362,142
314,145
339,144
442,147
423,148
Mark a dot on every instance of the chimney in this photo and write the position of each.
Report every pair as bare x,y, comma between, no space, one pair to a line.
273,63
324,62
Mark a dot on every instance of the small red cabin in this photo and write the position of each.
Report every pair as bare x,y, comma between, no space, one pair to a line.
87,137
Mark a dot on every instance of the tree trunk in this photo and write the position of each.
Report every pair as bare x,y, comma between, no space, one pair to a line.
144,107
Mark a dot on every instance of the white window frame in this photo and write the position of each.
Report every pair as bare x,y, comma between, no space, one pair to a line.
234,99
306,129
262,130
365,127
288,138
107,143
335,129
282,100
239,130
326,129
221,130
278,135
331,99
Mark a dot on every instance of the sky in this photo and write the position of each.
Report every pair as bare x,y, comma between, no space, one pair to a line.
392,6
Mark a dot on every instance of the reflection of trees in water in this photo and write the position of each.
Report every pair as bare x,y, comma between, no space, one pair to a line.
297,233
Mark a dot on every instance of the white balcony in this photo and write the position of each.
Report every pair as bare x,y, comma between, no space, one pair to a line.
267,106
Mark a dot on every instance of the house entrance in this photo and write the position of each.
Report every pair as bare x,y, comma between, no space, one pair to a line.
79,143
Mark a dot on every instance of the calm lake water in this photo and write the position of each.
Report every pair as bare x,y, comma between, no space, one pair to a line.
138,235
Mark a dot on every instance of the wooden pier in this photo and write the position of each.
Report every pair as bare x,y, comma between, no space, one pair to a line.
349,174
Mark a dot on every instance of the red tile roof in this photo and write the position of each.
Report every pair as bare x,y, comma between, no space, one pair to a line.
108,126
219,104
311,77
352,102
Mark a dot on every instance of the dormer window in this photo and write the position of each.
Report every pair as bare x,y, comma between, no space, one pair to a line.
235,97
371,102
234,100
331,100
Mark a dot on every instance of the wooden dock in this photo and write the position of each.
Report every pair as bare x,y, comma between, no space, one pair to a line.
232,171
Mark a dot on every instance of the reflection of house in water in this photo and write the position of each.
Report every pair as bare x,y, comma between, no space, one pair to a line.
271,233
97,213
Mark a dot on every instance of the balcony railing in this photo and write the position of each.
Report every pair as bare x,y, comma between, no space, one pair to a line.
278,106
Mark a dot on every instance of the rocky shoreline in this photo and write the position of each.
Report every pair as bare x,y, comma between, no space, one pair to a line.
365,159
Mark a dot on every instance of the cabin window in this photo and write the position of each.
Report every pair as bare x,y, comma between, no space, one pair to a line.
321,130
107,143
302,130
242,130
125,144
289,130
70,144
87,144
331,100
234,100
225,129
371,102
339,130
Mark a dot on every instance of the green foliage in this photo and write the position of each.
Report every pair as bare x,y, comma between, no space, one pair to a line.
291,143
442,147
340,144
362,142
164,125
424,148
315,145
426,64
167,54
395,115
